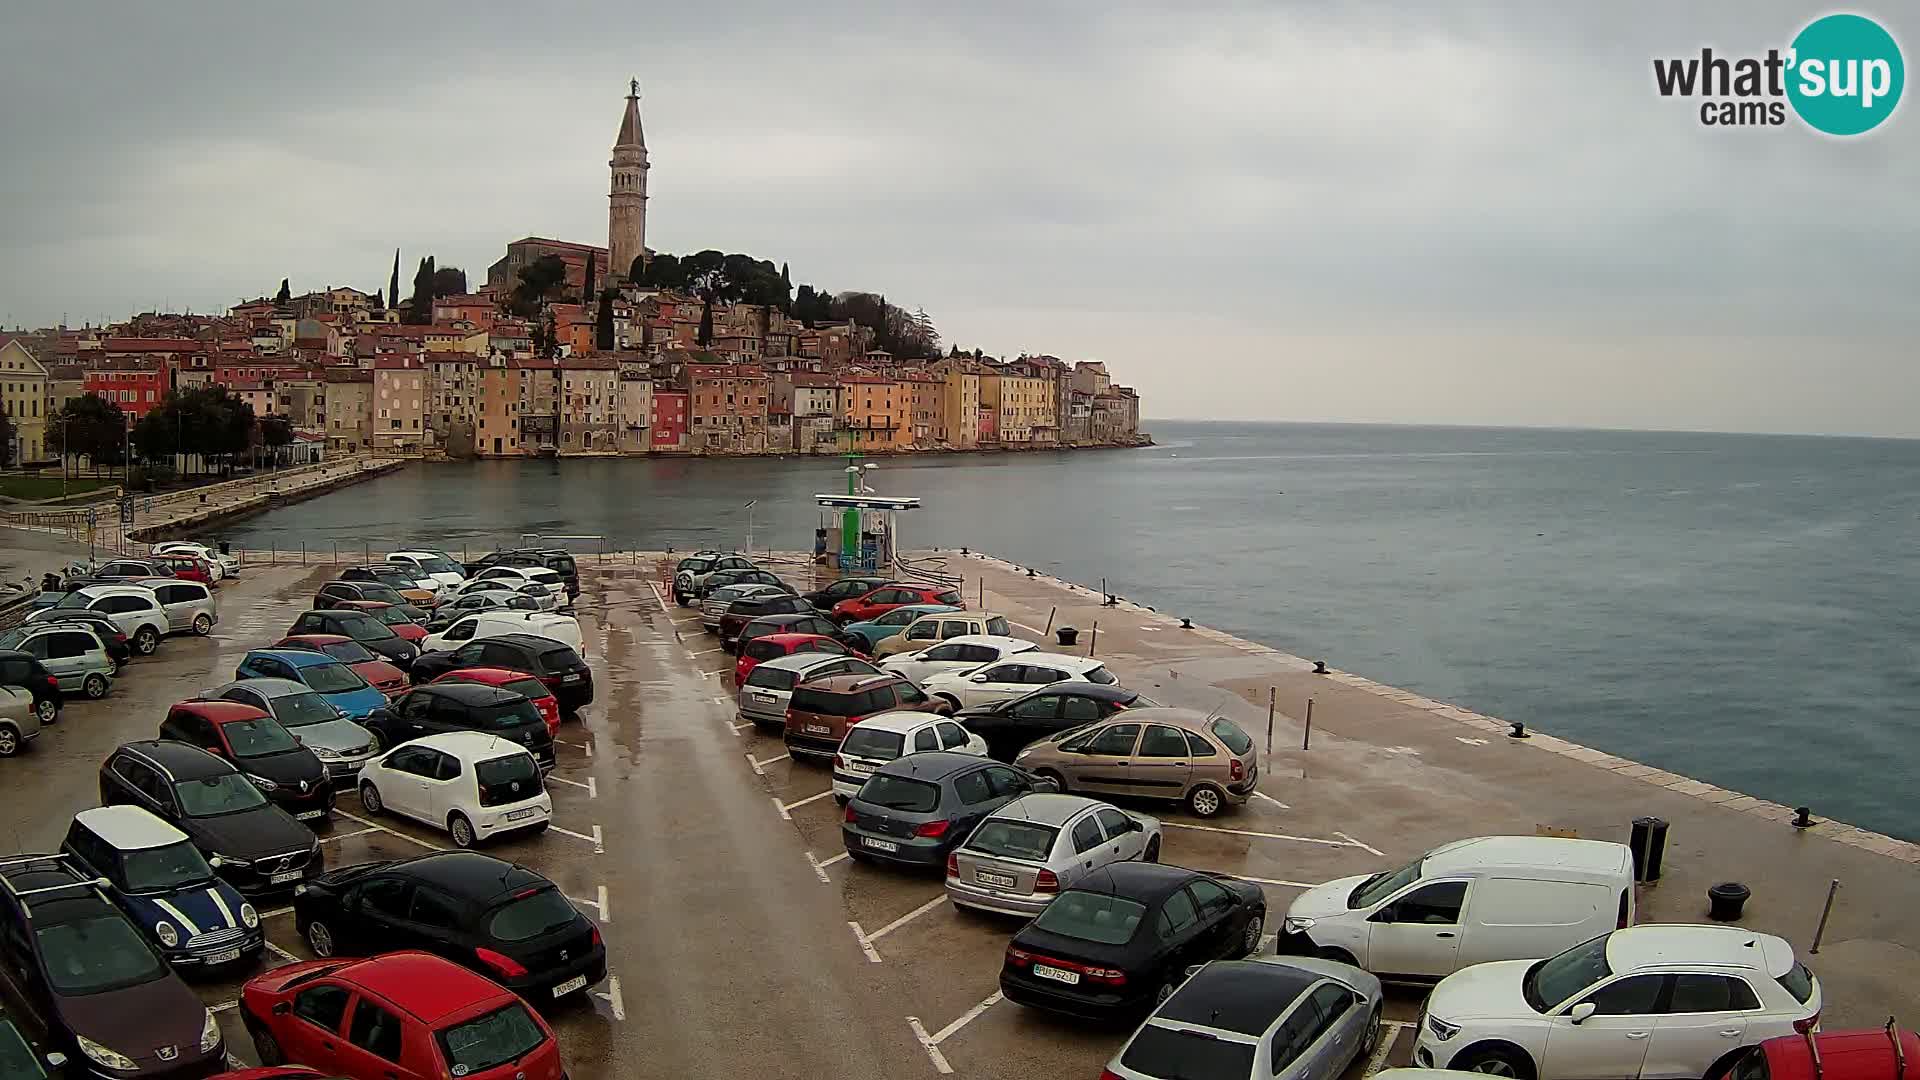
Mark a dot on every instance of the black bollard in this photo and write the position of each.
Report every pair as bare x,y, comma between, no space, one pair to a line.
1067,635
1725,901
1186,624
1648,842
1518,730
1803,817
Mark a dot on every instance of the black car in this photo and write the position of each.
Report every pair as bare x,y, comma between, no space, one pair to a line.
798,624
554,663
118,647
1120,941
19,668
1012,725
335,593
361,627
392,575
290,774
256,846
502,920
917,808
458,706
84,980
558,560
741,612
748,576
844,589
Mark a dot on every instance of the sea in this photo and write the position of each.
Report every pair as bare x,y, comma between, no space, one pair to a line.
1736,608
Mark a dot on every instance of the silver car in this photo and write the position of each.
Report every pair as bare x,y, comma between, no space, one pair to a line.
189,606
19,724
71,652
340,744
769,686
133,608
1020,857
1259,1018
717,602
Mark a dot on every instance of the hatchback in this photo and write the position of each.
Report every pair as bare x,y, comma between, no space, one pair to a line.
361,627
718,600
341,744
339,684
822,709
1183,755
189,606
1860,1054
476,785
956,656
404,1016
557,666
403,619
122,569
558,560
165,886
774,646
754,605
186,567
1024,853
23,672
847,588
887,597
430,565
19,720
792,624
290,773
934,627
412,589
502,599
379,674
527,686
341,593
444,707
72,653
884,628
891,736
920,807
1012,725
1014,677
224,566
767,690
497,918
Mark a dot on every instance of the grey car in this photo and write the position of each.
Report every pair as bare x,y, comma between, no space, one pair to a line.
718,600
71,652
1018,859
342,745
1292,1018
189,606
916,809
769,687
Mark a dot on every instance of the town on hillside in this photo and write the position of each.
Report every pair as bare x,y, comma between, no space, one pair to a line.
566,349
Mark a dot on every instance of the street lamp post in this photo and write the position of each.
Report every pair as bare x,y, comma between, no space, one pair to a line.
751,503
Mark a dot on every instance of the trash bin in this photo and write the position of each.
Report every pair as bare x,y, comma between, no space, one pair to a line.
1067,635
226,548
1725,901
1649,845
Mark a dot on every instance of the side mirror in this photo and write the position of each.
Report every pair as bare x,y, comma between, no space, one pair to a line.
1046,783
979,678
282,1008
1579,1013
380,713
1133,825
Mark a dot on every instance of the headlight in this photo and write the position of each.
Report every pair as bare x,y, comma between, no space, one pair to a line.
262,782
1441,1029
209,1033
325,754
248,916
1296,926
166,933
217,861
106,1058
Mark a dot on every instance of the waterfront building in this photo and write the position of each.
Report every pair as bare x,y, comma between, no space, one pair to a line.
136,385
876,412
23,395
452,392
668,428
636,409
956,412
924,391
813,402
349,409
400,404
498,404
590,402
727,408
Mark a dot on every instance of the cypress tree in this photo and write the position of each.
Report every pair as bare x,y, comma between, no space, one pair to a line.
393,283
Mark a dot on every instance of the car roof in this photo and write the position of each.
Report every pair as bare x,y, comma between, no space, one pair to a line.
469,745
801,662
786,618
932,764
923,609
899,721
181,760
79,896
337,612
1243,996
1042,807
300,658
267,688
1142,882
425,985
469,873
221,712
128,828
314,639
472,693
792,638
1102,691
1658,945
1064,660
526,641
1187,719
848,682
998,641
1484,853
490,676
94,592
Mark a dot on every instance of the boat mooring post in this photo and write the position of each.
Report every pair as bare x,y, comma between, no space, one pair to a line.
1050,613
1271,693
1821,931
1306,737
1095,639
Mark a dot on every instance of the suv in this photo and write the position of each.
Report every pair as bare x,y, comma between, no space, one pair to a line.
289,772
424,565
103,993
133,608
338,593
361,627
553,662
748,608
19,720
72,653
442,707
821,710
118,647
766,690
693,571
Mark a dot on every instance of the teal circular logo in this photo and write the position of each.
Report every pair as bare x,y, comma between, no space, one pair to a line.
1845,75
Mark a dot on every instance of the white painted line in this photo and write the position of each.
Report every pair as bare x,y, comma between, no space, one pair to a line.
1390,1034
866,946
579,900
907,918
966,1018
818,870
606,912
593,788
926,1043
1258,794
1249,832
1361,846
598,846
1274,881
589,748
752,764
719,701
390,832
282,953
802,802
742,724
758,765
342,836
703,652
574,783
837,858
223,1006
612,997
658,596
276,912
780,808
734,730
1469,742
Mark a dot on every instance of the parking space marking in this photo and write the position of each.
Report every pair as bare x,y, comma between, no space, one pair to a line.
704,652
612,997
866,946
1381,1052
1258,794
719,701
759,766
907,918
742,724
931,1043
837,858
591,787
1348,842
599,845
818,870
377,827
330,838
784,808
282,953
1361,846
276,912
223,1006
659,597
1272,881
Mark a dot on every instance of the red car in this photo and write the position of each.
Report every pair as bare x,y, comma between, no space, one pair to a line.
186,566
528,686
772,645
395,618
401,1016
281,1072
887,597
1883,1053
379,674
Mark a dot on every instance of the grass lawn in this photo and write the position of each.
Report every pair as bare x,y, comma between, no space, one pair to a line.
47,485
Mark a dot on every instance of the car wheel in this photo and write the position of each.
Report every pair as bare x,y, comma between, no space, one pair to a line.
46,710
203,625
265,1045
94,686
1205,801
462,830
1250,940
1166,991
1338,956
1153,851
1373,1035
1496,1060
952,703
9,741
1059,782
370,799
145,640
320,939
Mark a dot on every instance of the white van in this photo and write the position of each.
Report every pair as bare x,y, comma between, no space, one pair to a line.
561,628
1468,902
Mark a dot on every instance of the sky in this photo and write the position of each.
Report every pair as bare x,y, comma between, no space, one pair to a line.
1406,212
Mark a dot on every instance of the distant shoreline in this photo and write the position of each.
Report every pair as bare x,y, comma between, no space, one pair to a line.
1143,443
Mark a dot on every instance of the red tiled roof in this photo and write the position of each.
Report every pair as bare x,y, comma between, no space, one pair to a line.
130,344
396,363
725,371
590,363
564,245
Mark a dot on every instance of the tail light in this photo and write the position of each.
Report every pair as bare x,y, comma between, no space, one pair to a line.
1046,882
1235,770
504,966
852,720
1807,1025
839,762
932,830
1018,957
1110,976
849,817
596,935
53,683
1109,1074
953,864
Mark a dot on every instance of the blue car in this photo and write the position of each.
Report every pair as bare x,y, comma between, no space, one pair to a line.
892,622
342,686
165,886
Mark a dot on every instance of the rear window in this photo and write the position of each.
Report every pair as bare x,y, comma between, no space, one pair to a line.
827,703
950,598
1013,840
873,743
770,678
561,563
1090,916
507,717
559,659
1798,982
1103,677
500,1036
999,627
531,914
530,688
1229,733
1158,1051
901,793
764,650
506,770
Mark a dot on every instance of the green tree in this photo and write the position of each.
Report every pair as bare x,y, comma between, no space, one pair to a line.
205,420
90,426
420,304
393,283
603,323
275,432
540,282
586,288
448,281
6,439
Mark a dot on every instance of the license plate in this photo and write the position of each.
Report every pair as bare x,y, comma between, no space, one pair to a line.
227,957
568,987
989,877
860,767
575,677
309,815
1044,971
521,815
819,729
879,845
284,877
768,698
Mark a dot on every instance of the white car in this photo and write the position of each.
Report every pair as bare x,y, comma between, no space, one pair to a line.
1654,1001
445,573
135,609
956,656
562,628
224,566
1014,677
474,785
888,736
516,575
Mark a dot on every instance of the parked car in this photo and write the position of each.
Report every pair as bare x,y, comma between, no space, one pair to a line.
1661,1000
519,682
565,675
722,578
104,627
918,808
845,588
822,709
21,671
692,572
774,646
443,707
338,683
879,630
189,606
477,785
497,918
421,593
19,720
545,597
225,566
558,560
1256,1019
289,772
768,688
362,628
278,1072
1015,677
871,605
379,674
1204,761
1020,857
1858,1054
130,568
414,1015
337,593
24,1051
1120,942
891,736
934,627
71,652
520,576
792,624
161,882
1014,724
186,567
400,618
496,597
714,607
561,628
101,993
133,608
1465,903
444,572
342,745
955,656
753,606
256,846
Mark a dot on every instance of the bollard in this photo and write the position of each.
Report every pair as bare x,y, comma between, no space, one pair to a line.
1306,737
983,594
1050,614
1186,624
1093,639
1517,730
1725,901
1068,636
1271,691
1803,817
303,553
1319,667
1821,930
1648,843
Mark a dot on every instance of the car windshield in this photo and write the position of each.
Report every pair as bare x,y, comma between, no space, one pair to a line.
1187,1055
159,869
504,1035
510,717
258,738
1382,885
1104,677
1091,916
216,795
772,678
392,616
97,954
693,565
332,678
1554,980
436,564
363,627
1013,840
17,1059
1226,731
348,652
873,743
74,600
530,914
529,688
900,793
299,710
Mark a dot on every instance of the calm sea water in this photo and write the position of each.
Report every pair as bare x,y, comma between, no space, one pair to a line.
1735,608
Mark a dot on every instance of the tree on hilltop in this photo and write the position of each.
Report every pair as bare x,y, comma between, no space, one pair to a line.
284,295
540,281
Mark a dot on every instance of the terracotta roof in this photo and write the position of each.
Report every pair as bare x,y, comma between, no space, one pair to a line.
564,245
132,344
815,381
396,363
342,374
590,363
66,373
725,371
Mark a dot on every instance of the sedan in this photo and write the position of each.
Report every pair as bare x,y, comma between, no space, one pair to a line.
340,685
918,808
956,656
527,686
1024,853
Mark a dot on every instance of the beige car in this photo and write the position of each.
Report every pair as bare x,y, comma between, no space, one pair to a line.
931,629
1174,754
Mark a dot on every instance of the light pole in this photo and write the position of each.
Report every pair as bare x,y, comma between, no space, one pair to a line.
751,503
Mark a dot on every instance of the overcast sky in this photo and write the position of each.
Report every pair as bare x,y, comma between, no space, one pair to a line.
1407,212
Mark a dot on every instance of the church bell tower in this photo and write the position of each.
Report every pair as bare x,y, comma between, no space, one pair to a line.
627,195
